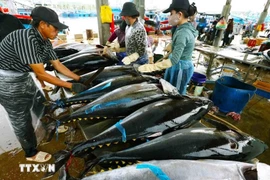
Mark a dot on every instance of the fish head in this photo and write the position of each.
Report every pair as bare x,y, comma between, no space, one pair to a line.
254,148
245,146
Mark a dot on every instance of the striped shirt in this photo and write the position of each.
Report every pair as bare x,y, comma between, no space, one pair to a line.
24,47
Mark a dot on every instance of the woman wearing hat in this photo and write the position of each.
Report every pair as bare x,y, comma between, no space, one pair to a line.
24,51
179,64
136,37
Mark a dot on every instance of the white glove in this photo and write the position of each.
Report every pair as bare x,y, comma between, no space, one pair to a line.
131,58
166,63
168,48
114,45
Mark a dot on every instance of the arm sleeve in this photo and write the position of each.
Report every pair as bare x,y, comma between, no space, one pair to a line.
179,44
113,36
141,41
51,53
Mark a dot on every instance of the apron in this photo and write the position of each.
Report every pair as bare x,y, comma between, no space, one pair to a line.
179,75
21,98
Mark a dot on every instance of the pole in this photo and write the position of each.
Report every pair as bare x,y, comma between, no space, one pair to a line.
225,12
103,28
140,5
262,18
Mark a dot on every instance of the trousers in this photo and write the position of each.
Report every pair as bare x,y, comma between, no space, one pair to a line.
20,96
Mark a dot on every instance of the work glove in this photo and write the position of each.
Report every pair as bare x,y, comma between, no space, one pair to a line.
78,87
114,47
131,58
166,63
83,79
168,48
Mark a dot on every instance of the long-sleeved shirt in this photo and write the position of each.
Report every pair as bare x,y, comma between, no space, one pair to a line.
120,35
136,39
183,43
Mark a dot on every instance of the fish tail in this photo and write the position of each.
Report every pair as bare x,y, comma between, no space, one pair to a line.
49,125
90,164
61,158
64,175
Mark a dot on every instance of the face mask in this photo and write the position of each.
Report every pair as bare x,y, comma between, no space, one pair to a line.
127,22
174,20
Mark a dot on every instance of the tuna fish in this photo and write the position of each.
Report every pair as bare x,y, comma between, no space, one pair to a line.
102,88
63,52
181,169
110,72
118,103
114,105
176,112
88,61
192,143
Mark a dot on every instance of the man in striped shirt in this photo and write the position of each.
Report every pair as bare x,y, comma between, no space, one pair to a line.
24,51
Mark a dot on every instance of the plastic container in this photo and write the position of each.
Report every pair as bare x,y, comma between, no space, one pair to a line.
197,83
232,95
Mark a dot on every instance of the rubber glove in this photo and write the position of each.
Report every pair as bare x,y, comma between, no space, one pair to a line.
166,63
78,87
131,58
83,79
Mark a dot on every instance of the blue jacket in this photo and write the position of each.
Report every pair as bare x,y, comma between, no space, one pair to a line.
183,43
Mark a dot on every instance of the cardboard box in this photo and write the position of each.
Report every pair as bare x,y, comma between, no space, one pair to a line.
58,42
89,34
78,36
95,35
62,36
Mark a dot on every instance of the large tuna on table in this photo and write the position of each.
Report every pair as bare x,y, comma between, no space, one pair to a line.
192,143
102,88
185,170
148,122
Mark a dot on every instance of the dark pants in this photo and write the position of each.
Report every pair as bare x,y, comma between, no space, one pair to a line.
226,38
18,94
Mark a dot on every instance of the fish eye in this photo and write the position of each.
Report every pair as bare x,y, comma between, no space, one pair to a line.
233,145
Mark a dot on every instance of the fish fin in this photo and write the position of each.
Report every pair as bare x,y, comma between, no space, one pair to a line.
50,107
223,126
49,124
97,128
55,90
61,158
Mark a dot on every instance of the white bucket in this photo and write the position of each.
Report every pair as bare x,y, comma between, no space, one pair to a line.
198,90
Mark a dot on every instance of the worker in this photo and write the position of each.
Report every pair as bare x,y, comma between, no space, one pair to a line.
179,66
8,23
24,51
136,37
119,45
